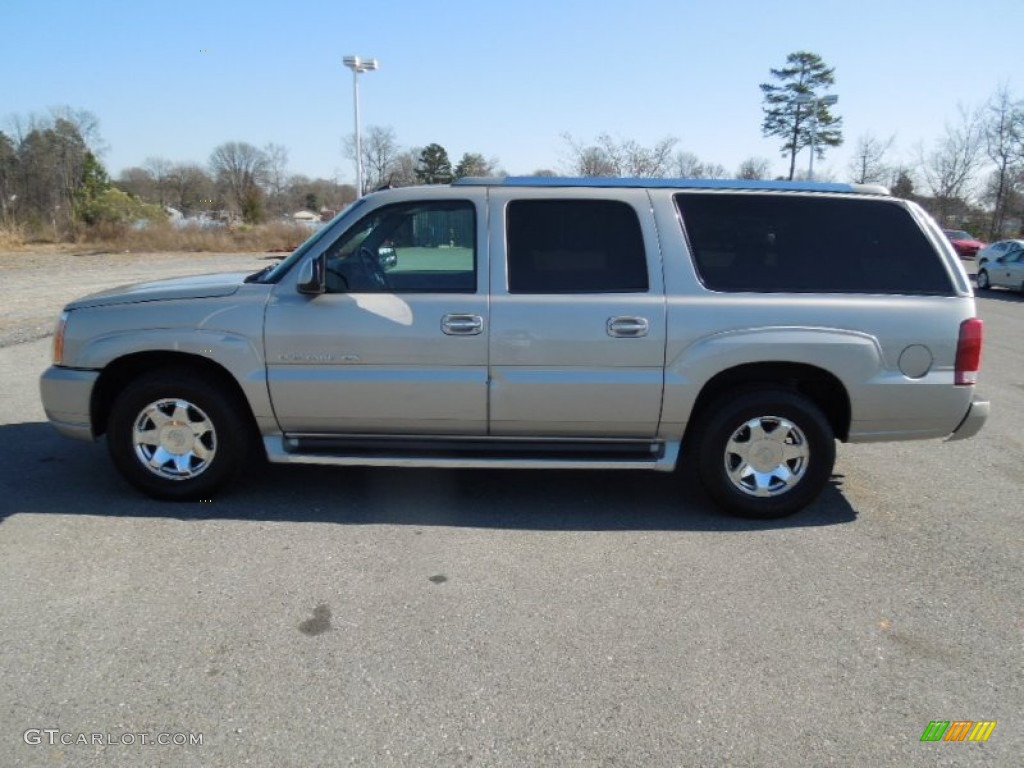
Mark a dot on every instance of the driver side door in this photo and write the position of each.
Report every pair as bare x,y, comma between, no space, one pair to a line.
398,342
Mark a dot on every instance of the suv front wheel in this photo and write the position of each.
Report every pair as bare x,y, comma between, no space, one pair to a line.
176,436
765,453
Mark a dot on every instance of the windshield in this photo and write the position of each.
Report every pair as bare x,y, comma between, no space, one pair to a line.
958,234
279,269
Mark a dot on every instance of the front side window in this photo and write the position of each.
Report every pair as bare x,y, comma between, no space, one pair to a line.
574,246
787,243
420,247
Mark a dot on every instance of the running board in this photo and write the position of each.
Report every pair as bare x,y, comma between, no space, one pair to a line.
480,453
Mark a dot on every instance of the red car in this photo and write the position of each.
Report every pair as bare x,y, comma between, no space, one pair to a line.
965,244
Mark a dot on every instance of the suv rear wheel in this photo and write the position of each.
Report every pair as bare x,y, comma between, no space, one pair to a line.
764,453
173,435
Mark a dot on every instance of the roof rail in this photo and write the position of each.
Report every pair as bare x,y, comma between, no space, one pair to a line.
601,181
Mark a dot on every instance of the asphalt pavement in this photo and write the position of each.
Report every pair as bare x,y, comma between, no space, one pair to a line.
386,617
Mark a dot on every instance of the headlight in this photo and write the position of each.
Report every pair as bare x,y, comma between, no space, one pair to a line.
58,339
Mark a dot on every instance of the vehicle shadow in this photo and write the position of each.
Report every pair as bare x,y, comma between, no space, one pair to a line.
1000,294
45,473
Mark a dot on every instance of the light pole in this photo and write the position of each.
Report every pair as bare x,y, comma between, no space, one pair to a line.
810,98
358,66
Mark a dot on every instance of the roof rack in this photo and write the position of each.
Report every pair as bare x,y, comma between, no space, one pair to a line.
601,181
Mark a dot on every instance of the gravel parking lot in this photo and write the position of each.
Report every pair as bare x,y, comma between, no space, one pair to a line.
454,618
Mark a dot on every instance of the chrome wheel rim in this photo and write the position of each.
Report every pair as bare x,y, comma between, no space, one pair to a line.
174,439
983,280
766,456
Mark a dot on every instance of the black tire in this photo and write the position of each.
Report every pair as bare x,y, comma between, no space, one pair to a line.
806,432
208,429
983,281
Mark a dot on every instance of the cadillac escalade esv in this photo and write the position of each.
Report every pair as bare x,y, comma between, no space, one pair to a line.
544,323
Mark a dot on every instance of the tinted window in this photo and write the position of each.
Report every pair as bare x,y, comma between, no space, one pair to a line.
574,246
423,247
790,243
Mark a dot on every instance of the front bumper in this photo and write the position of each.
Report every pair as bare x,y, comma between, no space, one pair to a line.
66,394
973,421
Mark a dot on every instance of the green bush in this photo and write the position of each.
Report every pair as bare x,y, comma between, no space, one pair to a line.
112,206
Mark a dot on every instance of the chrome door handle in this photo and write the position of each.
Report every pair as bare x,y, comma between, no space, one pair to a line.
462,325
628,327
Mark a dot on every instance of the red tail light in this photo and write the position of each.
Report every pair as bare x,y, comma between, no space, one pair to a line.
968,352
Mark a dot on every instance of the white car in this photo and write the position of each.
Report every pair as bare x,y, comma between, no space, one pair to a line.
1002,264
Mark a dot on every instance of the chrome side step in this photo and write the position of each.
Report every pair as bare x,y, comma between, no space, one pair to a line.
485,454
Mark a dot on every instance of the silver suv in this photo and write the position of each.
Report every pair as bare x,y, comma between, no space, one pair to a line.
544,323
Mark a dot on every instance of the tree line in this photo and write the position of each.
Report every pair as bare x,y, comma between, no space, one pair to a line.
52,179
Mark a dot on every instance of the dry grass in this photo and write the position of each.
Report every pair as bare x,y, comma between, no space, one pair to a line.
164,237
11,239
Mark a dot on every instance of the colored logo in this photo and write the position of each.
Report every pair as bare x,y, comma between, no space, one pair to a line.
958,730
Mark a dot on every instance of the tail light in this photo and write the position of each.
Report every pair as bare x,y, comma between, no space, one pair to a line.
968,352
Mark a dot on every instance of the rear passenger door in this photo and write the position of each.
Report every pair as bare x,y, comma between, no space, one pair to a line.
577,343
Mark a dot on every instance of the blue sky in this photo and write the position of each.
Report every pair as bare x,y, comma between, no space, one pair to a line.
506,80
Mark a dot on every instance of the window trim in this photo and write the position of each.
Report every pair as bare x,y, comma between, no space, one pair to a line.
427,203
950,291
507,205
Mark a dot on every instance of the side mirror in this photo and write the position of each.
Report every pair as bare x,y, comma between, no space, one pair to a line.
311,276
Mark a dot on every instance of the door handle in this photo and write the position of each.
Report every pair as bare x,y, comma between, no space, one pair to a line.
628,327
462,325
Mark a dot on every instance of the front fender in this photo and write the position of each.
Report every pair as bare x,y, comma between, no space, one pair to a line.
233,352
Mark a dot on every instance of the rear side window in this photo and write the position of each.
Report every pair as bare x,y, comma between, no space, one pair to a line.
790,243
574,246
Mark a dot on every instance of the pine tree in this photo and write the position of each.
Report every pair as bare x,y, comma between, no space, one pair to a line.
433,166
805,74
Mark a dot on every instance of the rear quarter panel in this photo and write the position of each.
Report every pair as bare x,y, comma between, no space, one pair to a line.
858,338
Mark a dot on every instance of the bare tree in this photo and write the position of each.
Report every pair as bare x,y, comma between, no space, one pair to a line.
277,174
139,182
687,165
403,168
715,171
316,194
159,169
241,169
86,125
190,188
8,173
591,161
754,168
950,168
380,151
620,157
1004,145
868,166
